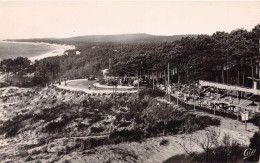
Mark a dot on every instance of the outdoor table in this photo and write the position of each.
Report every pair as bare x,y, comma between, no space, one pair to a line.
217,105
212,106
223,106
231,108
199,103
188,98
236,109
205,103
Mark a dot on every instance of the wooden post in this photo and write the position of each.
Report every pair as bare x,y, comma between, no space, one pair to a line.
214,106
237,97
137,86
259,103
169,92
115,90
153,80
109,63
227,109
178,99
194,103
178,89
252,69
246,125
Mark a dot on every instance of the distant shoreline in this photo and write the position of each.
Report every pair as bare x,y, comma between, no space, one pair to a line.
59,49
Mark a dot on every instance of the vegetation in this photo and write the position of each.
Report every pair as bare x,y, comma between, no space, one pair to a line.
67,121
217,150
151,92
222,57
18,68
214,149
254,145
131,119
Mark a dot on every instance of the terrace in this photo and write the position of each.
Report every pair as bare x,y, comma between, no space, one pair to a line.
217,99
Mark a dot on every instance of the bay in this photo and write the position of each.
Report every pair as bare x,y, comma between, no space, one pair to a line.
16,49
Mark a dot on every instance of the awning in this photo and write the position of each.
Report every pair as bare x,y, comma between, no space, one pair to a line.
229,87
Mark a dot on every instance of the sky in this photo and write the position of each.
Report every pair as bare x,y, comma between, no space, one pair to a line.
67,19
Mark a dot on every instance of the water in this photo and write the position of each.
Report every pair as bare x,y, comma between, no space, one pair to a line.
13,50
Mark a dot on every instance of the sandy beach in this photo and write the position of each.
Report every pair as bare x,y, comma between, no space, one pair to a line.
59,49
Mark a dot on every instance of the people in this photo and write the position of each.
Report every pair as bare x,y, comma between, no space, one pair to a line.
89,87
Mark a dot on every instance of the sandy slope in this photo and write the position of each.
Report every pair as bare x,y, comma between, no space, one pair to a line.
149,150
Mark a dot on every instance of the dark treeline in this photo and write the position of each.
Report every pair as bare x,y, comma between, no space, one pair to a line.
17,70
222,57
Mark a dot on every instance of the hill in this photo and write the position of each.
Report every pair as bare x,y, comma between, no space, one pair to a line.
119,38
126,38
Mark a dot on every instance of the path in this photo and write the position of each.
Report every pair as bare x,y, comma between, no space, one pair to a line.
83,84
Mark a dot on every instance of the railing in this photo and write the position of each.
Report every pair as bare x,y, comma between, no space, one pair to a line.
229,87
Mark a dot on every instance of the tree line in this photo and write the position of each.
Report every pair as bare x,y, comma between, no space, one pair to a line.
221,57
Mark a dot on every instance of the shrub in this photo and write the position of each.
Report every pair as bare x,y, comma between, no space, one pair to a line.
82,126
254,144
11,127
206,121
38,81
103,82
151,92
97,129
13,130
3,84
96,118
164,142
126,135
124,124
57,126
93,142
256,119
